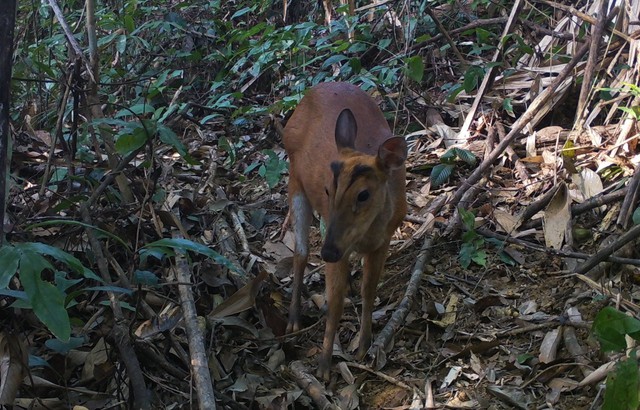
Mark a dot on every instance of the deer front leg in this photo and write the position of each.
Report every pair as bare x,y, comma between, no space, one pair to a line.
373,265
301,214
336,288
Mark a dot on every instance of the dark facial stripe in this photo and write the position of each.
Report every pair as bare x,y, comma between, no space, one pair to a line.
336,167
358,171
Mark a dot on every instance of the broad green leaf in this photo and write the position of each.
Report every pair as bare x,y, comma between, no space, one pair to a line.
440,174
167,136
610,327
136,109
465,155
622,386
59,255
468,218
46,300
9,258
128,143
480,257
187,245
414,68
636,216
61,347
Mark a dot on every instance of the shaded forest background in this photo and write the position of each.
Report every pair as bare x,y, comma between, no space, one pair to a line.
145,257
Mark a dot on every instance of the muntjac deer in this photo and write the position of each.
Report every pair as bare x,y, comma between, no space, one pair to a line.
346,164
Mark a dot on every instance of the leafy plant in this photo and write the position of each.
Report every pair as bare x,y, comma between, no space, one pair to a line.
47,300
472,249
441,172
611,327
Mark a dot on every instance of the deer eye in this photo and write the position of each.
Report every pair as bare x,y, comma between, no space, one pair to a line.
363,196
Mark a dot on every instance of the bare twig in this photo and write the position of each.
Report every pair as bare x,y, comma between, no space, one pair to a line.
552,251
198,354
377,347
587,79
627,208
489,76
385,377
576,209
630,235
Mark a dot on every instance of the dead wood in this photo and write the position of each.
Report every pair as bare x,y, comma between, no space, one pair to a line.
120,333
521,170
589,70
576,209
631,235
630,200
487,81
377,349
197,352
552,251
518,125
311,385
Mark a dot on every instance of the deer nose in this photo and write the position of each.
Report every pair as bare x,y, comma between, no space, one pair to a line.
330,253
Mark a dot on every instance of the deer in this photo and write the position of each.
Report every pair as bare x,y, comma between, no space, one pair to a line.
346,164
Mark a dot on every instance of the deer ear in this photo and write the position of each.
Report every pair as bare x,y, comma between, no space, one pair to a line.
392,153
346,130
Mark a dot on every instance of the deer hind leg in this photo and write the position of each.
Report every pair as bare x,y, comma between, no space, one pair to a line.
373,266
301,213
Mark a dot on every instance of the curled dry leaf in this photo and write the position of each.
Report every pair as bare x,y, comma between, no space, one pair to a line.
557,216
13,365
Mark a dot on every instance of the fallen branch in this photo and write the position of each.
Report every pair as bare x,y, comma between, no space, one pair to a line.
627,208
552,251
377,349
119,335
519,124
311,385
602,254
386,377
576,209
197,352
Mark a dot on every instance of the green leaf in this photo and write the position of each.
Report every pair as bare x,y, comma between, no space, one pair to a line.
46,300
128,143
59,255
64,347
506,258
636,216
9,258
466,253
334,59
610,327
440,174
480,257
129,25
187,245
468,219
622,386
465,155
414,68
136,109
167,136
242,12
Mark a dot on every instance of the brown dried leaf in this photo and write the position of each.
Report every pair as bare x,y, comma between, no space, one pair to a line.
549,346
556,218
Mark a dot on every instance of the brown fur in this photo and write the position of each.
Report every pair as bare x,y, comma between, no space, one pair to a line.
361,197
